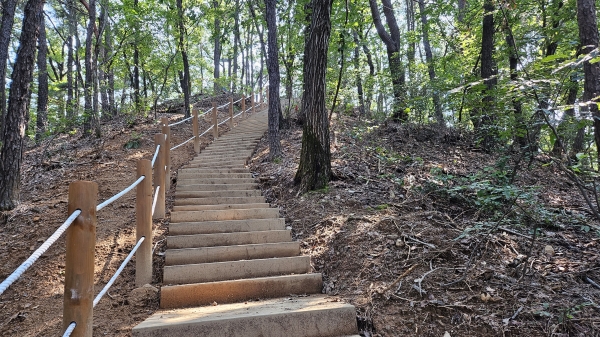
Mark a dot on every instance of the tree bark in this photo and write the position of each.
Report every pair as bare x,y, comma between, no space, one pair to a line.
274,79
358,80
236,46
217,50
437,105
588,38
13,135
70,105
392,44
314,171
484,121
6,26
42,100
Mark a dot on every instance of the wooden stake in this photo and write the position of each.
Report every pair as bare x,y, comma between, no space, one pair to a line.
215,122
231,112
243,106
143,221
196,131
159,176
79,264
166,129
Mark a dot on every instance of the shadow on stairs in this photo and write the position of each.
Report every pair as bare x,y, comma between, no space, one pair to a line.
231,267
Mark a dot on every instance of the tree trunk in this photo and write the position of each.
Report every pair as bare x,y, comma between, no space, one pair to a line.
588,38
392,44
217,51
13,135
90,123
274,80
236,46
370,82
359,85
462,6
513,60
185,84
437,105
110,76
70,105
8,16
42,100
314,171
484,121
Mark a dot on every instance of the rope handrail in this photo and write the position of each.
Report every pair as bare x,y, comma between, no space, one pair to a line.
155,155
222,106
236,102
120,194
118,272
203,133
236,116
205,112
70,329
187,141
38,252
155,199
225,121
181,121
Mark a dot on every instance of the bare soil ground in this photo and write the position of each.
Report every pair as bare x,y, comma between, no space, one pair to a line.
32,306
416,231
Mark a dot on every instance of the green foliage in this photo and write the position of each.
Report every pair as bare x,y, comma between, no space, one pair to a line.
134,141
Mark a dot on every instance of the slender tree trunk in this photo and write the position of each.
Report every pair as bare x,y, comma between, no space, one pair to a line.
412,46
70,105
392,44
462,6
236,46
217,51
370,82
90,123
42,100
484,121
359,85
588,38
6,26
185,85
110,76
274,79
513,60
437,105
11,155
314,171
103,59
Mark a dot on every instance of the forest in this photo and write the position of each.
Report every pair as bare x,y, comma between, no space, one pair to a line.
481,114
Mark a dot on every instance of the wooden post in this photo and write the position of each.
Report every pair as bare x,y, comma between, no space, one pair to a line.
215,121
196,131
159,176
231,112
79,264
243,106
166,129
252,102
143,221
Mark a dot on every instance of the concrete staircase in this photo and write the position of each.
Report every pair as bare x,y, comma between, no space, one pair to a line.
230,263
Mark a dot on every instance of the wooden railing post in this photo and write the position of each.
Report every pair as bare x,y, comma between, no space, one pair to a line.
252,101
196,131
159,176
243,106
79,261
143,221
166,129
215,121
231,112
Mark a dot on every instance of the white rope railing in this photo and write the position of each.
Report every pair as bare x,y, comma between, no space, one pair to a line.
181,121
238,115
114,278
205,112
155,199
155,155
225,121
70,329
236,102
38,252
203,133
182,144
120,194
222,106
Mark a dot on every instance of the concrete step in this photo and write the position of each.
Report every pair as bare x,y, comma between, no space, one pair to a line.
231,253
207,175
227,239
238,157
216,181
197,294
312,316
217,201
229,226
216,187
217,163
234,270
229,214
217,194
220,207
215,171
223,165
